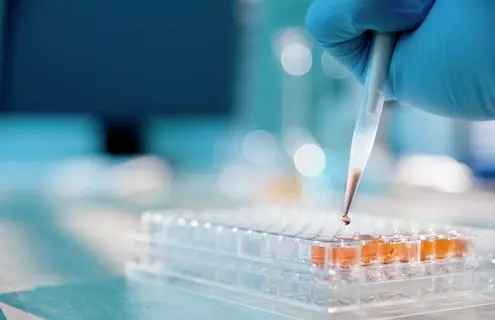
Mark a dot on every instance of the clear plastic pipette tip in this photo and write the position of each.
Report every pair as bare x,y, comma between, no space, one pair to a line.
369,115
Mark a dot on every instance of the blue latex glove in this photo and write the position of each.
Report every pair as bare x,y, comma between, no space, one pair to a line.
444,60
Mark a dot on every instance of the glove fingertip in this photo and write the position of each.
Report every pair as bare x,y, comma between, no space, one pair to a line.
330,21
316,21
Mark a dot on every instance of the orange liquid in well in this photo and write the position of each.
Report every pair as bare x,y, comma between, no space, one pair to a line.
408,252
369,251
346,256
459,247
318,256
389,252
443,248
427,249
332,256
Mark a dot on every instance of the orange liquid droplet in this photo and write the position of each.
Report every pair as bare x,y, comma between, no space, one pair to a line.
346,220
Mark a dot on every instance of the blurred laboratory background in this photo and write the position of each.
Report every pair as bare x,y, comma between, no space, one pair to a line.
139,100
144,98
112,107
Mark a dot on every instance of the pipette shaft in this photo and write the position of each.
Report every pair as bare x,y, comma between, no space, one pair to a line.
363,139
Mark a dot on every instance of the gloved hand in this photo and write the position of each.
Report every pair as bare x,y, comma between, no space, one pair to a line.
444,60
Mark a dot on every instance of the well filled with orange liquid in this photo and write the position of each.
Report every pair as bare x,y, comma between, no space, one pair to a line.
460,247
427,249
443,248
318,256
389,252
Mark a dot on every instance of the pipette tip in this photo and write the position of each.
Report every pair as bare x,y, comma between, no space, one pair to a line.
350,192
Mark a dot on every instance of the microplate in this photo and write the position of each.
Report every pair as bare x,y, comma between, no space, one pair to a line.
305,265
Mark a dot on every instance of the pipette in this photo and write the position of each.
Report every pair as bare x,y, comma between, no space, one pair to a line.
364,135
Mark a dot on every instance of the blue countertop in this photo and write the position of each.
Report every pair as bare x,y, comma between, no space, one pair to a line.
110,298
55,271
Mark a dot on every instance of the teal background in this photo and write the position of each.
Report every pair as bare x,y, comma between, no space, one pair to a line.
119,58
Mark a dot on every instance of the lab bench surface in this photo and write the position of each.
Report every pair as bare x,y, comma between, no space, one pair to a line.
64,259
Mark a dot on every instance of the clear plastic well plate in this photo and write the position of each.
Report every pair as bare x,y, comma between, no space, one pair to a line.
306,265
